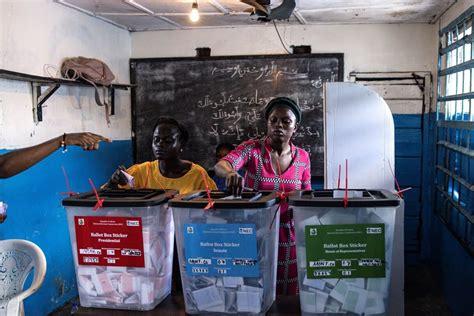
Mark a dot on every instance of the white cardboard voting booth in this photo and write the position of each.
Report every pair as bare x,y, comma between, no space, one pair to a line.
359,127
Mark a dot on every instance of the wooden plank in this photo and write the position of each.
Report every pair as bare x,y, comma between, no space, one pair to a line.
363,76
408,171
409,92
407,120
381,82
413,209
408,142
411,259
412,202
411,230
405,106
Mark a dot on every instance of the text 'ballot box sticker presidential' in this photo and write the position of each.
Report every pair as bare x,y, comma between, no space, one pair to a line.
345,251
221,249
109,241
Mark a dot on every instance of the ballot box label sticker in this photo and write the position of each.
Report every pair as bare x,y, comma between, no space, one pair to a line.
109,241
221,249
345,251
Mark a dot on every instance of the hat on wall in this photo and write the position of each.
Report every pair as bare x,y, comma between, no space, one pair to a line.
286,102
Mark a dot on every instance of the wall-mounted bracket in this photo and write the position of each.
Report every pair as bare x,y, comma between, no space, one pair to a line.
39,97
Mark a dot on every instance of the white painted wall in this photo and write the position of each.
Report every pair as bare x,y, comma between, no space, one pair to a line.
371,47
34,33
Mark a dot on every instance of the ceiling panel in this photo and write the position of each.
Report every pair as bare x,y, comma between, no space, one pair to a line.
373,11
221,21
143,23
364,16
176,6
99,6
141,15
233,5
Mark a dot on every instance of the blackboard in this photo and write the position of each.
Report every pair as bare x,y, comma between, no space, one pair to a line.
221,99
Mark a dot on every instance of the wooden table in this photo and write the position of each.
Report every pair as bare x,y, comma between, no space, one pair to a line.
173,305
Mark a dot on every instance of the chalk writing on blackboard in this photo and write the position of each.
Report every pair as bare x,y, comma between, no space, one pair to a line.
222,99
267,70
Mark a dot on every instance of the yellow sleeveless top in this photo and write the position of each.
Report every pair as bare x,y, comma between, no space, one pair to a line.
148,175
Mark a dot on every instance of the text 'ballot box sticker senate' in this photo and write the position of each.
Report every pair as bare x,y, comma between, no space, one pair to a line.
109,241
221,249
345,251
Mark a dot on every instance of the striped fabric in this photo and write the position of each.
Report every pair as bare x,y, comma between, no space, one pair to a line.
254,156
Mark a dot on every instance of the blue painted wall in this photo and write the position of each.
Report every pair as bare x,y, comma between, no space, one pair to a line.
35,213
427,240
412,169
455,268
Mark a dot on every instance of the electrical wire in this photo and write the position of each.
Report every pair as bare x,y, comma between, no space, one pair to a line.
281,40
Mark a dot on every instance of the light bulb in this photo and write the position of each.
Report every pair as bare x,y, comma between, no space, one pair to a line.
194,15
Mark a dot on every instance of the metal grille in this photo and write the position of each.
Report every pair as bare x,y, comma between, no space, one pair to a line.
455,130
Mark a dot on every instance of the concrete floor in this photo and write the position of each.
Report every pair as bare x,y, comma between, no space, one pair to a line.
423,293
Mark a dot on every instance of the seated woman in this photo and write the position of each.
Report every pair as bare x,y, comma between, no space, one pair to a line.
168,171
273,163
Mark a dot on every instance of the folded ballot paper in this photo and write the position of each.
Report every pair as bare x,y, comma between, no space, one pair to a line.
130,179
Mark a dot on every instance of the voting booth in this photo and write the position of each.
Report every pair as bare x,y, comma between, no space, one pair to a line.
122,242
344,250
359,130
227,251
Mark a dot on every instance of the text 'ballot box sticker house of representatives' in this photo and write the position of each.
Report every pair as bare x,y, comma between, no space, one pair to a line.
109,241
221,249
345,251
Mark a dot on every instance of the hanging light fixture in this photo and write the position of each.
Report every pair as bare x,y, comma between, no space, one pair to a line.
194,15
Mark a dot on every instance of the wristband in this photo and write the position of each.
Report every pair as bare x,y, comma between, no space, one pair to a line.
63,144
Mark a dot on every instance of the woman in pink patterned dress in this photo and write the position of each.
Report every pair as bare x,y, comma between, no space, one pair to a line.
273,163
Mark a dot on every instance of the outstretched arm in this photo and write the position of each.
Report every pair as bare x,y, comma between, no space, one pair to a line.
19,160
233,180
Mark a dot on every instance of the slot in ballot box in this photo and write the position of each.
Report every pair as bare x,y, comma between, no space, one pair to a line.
123,251
228,253
344,250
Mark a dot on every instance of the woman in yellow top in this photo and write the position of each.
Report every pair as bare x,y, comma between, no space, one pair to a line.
168,171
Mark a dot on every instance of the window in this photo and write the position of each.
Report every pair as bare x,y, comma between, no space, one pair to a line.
455,130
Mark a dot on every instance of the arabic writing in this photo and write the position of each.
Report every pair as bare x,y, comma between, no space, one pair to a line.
236,130
251,132
235,115
229,99
242,116
268,70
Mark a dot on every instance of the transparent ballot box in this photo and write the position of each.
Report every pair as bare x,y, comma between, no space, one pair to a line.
344,250
227,253
123,251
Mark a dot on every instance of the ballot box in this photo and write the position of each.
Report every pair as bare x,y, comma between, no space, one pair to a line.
344,250
122,242
227,249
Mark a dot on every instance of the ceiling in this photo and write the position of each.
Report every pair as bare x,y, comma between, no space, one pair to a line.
148,15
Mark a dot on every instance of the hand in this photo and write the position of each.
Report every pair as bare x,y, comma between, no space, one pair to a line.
88,141
117,178
234,183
